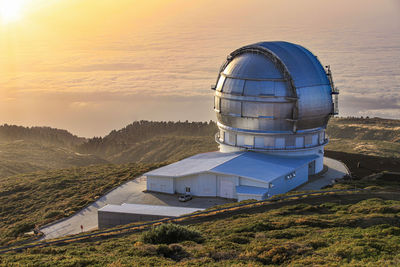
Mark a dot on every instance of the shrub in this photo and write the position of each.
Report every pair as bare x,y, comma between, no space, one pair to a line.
22,228
173,251
170,233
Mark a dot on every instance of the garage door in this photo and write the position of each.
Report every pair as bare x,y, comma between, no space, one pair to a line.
226,189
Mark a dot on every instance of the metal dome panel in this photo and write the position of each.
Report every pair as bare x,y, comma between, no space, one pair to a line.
302,65
252,66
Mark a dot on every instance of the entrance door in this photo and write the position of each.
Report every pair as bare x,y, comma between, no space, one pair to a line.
311,168
226,189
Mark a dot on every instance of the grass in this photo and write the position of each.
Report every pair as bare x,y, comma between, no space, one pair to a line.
170,233
38,198
24,156
369,136
384,181
366,233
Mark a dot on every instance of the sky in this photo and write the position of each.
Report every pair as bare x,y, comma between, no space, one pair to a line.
91,66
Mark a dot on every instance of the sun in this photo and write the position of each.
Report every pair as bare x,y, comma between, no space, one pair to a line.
11,10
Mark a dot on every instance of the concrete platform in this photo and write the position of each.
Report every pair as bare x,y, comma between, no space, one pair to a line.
130,192
335,169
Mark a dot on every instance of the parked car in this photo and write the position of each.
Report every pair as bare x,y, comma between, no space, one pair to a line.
184,198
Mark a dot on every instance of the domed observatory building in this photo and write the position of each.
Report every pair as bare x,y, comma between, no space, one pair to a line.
273,101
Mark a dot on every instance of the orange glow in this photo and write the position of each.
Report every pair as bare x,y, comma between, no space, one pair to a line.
91,66
11,10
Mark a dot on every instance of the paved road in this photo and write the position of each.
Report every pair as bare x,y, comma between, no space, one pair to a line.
336,169
132,192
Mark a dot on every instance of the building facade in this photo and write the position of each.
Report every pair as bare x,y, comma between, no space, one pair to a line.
273,101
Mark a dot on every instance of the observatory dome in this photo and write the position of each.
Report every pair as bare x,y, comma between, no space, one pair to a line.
273,96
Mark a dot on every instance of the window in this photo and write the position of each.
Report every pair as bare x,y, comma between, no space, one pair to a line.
230,138
244,140
269,142
187,189
300,142
314,141
280,142
240,140
259,142
290,141
308,140
249,140
290,176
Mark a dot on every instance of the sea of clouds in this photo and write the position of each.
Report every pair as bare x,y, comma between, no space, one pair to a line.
164,72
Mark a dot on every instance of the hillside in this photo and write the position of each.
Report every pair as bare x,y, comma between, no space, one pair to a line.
40,135
370,136
332,233
40,148
146,141
37,198
366,232
49,195
22,156
140,131
24,149
165,148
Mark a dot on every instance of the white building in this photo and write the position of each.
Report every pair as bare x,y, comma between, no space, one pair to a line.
273,101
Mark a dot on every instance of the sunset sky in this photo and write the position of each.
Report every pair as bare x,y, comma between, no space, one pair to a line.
91,66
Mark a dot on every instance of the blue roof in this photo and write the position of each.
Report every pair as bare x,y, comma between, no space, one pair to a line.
194,164
251,190
261,166
303,66
252,165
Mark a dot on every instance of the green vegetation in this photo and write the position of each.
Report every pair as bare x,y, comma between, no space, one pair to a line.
366,233
147,141
369,136
24,149
386,181
165,148
22,157
39,135
38,198
170,233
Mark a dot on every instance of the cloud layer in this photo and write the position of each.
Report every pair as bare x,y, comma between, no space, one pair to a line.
164,72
